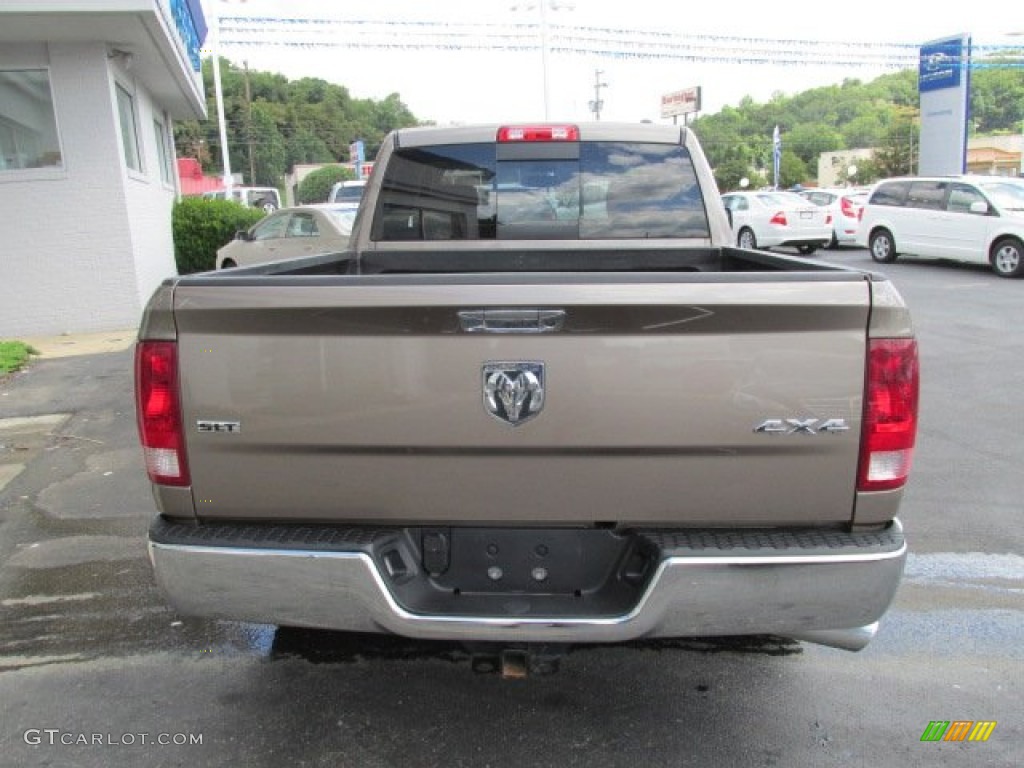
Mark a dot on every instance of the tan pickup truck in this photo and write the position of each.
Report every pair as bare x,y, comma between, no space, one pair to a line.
539,400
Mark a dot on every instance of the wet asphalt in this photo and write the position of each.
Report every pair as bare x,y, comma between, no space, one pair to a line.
96,670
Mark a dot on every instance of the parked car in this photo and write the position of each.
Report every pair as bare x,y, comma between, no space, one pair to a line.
266,198
301,231
976,219
768,218
844,205
347,192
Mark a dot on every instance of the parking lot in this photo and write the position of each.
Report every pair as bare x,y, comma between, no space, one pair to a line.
95,669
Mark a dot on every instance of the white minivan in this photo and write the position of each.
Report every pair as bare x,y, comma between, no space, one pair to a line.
266,198
977,219
347,191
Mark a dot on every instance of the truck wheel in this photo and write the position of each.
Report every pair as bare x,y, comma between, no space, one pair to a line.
228,264
746,239
808,249
882,247
1006,257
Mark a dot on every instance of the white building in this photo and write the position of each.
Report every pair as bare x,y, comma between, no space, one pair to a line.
88,93
837,169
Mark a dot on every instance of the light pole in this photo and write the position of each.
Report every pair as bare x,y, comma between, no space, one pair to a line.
544,53
218,91
542,5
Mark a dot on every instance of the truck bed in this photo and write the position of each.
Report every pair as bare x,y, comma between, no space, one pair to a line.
470,258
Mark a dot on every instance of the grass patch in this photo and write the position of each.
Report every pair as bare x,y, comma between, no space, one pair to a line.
13,355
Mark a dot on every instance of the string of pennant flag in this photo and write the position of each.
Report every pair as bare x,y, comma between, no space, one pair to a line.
595,41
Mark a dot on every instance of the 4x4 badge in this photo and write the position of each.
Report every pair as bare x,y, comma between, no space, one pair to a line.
513,391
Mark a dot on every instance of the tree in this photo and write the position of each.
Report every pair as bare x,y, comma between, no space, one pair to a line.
997,97
897,154
808,140
792,170
316,187
284,122
269,155
868,171
864,131
729,173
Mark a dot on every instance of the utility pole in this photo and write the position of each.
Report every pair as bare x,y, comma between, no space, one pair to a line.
248,131
597,105
913,129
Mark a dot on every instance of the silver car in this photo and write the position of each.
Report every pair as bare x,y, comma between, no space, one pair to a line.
301,231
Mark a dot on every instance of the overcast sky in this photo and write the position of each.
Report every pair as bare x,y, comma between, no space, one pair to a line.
465,85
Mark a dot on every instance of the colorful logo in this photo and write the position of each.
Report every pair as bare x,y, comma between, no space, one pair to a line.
958,730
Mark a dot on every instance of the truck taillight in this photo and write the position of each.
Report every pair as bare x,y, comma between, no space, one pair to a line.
158,409
890,414
508,133
779,218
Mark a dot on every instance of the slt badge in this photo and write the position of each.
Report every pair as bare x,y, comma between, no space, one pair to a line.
513,391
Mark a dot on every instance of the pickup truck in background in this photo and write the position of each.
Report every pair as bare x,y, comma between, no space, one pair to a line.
540,400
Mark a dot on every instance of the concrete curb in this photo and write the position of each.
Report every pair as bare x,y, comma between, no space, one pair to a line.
68,345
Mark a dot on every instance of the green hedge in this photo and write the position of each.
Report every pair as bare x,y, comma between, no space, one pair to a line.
202,226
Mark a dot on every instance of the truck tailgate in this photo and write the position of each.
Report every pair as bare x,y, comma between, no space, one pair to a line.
367,399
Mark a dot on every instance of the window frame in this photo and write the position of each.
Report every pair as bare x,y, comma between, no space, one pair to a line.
55,171
120,88
164,150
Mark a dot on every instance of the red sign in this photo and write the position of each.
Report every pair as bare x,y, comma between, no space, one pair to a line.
681,102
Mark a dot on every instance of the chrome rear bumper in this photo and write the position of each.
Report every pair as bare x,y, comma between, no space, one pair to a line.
833,598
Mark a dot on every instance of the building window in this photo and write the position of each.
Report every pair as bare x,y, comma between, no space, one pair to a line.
129,136
28,126
163,152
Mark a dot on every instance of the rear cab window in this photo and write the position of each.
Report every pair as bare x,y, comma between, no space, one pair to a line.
540,191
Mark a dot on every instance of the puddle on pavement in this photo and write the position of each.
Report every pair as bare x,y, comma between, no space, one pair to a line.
326,647
993,573
22,438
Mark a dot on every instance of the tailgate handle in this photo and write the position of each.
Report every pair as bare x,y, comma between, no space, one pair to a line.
511,320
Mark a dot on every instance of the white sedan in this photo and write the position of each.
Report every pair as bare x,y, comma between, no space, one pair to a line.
844,205
767,218
291,232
